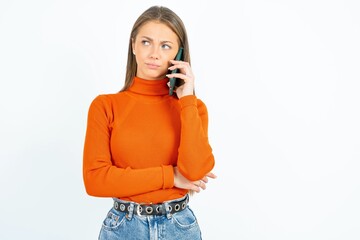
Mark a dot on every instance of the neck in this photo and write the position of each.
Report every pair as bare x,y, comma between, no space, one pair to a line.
149,87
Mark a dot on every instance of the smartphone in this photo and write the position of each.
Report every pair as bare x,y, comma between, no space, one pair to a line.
175,81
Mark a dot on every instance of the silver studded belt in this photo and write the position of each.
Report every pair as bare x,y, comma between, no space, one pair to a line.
151,209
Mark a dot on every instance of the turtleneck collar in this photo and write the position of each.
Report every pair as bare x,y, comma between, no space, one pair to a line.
149,87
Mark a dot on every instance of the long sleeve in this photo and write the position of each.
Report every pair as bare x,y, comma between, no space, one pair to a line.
195,157
101,177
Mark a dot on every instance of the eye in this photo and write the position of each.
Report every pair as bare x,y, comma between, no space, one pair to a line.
145,42
165,46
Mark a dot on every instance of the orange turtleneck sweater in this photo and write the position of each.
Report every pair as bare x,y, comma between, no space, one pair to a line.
134,139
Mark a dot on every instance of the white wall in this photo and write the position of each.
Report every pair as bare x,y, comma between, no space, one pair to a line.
281,82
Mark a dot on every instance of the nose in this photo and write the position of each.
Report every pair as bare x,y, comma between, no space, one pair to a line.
155,53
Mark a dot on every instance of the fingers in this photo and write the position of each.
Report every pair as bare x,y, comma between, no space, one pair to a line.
201,184
181,182
198,185
184,67
179,75
205,179
179,65
195,188
211,175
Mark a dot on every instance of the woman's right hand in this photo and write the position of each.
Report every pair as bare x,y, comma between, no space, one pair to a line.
181,182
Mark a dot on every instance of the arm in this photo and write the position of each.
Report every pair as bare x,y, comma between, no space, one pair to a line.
195,158
101,177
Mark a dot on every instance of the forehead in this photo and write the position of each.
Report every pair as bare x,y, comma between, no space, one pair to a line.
157,31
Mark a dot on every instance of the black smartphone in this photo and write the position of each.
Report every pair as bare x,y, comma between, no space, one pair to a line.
175,81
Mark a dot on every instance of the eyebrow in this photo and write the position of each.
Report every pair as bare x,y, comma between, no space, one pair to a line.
150,39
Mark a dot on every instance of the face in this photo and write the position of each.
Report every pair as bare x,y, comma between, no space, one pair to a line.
154,46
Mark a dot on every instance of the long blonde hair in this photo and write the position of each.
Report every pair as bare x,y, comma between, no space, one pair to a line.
163,15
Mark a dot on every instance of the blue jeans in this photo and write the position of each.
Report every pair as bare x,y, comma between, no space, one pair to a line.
178,226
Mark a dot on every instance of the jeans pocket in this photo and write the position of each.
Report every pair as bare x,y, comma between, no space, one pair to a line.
185,219
113,220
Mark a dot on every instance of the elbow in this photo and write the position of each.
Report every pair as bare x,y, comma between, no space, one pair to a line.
90,186
95,181
90,190
194,172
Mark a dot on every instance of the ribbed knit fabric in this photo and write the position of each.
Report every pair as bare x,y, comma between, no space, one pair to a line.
135,138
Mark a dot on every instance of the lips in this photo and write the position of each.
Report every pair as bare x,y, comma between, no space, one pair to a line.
152,65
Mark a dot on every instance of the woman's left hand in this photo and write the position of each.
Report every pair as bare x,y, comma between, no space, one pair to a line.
185,74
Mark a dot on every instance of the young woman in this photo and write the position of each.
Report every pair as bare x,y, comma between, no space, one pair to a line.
145,148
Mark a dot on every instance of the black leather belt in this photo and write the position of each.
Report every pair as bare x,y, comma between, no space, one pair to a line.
151,209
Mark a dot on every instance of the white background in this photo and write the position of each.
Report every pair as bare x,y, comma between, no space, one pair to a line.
281,82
